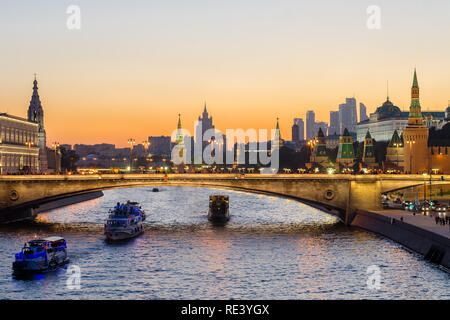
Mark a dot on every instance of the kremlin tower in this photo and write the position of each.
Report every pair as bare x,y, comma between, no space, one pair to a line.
415,135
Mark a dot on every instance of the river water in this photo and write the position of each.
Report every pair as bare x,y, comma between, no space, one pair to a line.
272,248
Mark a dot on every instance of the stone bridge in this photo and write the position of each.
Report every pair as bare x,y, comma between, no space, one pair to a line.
21,197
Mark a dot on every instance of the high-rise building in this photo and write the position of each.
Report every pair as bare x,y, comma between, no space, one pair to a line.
36,114
298,130
345,117
362,112
310,125
334,127
352,103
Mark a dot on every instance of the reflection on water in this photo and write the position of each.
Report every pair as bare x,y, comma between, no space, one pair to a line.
272,248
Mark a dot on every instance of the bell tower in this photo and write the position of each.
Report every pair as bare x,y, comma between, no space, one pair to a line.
36,114
415,135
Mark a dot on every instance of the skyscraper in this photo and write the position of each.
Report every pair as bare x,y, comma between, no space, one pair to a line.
362,112
298,130
348,117
334,127
345,117
310,125
36,114
351,102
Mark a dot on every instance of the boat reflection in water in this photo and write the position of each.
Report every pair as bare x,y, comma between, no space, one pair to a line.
219,208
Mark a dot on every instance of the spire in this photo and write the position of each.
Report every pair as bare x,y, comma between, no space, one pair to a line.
35,111
415,112
415,82
204,109
278,134
320,133
179,137
387,90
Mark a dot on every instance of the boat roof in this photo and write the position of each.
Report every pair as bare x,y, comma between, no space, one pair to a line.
218,196
53,239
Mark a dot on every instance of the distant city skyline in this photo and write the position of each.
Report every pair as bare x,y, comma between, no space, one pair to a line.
131,70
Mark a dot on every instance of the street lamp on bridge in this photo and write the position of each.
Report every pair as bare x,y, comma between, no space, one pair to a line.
131,142
29,144
146,144
411,142
55,145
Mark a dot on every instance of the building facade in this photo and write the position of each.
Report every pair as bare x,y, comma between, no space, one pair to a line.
19,149
389,118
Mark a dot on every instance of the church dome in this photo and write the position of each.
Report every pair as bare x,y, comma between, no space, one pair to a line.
388,110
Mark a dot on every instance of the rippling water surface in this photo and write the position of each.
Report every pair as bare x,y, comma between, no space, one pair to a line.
272,248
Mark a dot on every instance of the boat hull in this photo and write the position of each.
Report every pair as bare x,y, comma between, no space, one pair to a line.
214,216
118,234
29,267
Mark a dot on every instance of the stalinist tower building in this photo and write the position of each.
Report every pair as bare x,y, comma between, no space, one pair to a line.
36,114
415,135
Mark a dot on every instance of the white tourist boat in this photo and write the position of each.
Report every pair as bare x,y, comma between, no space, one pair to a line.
41,255
125,221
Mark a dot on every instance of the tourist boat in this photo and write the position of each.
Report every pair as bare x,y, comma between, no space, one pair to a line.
219,208
125,221
41,256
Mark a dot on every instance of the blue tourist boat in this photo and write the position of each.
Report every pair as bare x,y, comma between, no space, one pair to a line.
41,256
125,221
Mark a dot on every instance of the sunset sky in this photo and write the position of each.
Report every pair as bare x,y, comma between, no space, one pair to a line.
135,65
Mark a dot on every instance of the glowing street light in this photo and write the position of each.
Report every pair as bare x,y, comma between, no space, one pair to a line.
131,142
56,145
29,144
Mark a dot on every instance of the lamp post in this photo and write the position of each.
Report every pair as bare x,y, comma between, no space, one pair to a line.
146,144
425,187
131,142
397,145
411,142
29,144
56,145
